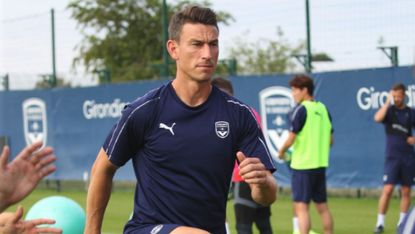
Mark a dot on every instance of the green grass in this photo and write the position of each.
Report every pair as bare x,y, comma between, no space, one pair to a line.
351,215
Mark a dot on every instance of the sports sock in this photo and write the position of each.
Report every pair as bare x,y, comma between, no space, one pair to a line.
227,228
401,217
381,220
295,224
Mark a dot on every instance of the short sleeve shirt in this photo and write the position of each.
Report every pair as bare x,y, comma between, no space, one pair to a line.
183,156
398,126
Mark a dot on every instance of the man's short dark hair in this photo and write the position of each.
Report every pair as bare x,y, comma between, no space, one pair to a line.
191,14
303,81
399,86
223,84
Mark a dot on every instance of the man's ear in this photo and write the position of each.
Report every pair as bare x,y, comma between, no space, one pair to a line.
172,48
305,89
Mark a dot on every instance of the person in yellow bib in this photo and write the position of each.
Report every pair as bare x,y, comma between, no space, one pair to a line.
311,135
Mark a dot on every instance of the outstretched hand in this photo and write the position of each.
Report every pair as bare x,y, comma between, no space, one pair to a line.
12,223
19,177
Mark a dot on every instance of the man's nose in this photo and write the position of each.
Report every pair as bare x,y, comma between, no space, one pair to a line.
206,51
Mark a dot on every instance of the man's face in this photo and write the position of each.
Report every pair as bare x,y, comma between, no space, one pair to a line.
298,94
398,98
197,52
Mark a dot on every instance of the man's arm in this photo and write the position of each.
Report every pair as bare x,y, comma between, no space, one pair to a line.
381,113
265,193
262,183
287,144
99,192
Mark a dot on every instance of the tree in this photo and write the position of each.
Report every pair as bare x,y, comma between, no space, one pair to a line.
124,37
45,82
265,56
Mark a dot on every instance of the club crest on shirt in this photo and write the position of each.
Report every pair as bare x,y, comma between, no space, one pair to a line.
275,103
222,129
34,120
156,229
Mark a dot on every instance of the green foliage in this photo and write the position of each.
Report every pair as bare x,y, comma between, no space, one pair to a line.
124,37
265,56
46,82
321,57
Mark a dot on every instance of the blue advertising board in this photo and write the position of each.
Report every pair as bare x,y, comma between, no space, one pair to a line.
76,121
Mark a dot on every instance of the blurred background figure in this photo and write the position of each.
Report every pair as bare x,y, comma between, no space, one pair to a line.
399,166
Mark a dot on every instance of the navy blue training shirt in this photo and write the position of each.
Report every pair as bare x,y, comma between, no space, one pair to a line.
183,156
398,126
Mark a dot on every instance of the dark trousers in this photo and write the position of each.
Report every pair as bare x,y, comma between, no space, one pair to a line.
247,212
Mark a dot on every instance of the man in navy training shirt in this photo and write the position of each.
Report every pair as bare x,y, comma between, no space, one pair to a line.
183,139
399,167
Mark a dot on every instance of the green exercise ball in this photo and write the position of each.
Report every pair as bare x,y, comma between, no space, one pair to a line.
69,215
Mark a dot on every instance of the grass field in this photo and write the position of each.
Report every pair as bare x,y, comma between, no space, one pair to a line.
351,215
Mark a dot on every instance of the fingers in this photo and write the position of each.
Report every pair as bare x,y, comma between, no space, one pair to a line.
241,156
47,151
18,214
41,160
47,171
37,222
48,230
4,158
244,160
44,161
44,166
251,169
29,150
255,177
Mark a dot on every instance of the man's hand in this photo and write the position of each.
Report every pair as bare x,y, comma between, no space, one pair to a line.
19,177
390,96
410,140
281,155
262,183
251,169
381,113
12,223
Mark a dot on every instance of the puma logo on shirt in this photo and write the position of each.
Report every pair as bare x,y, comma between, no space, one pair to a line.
164,126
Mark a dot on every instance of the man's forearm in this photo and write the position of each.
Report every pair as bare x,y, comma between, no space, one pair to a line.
287,144
99,193
265,194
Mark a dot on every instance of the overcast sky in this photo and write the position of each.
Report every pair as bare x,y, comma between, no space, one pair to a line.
348,30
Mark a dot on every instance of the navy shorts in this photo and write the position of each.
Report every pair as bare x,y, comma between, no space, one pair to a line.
309,185
130,228
399,171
